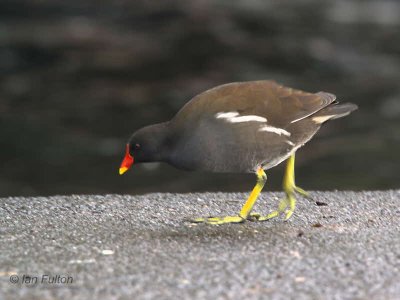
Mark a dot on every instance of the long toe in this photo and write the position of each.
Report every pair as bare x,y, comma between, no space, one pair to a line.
283,204
219,220
254,216
302,192
270,216
288,214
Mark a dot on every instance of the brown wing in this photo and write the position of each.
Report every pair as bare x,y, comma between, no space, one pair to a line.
265,132
280,105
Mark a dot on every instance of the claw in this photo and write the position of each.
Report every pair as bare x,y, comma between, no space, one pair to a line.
197,220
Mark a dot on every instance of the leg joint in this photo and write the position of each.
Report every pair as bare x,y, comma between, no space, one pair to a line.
261,176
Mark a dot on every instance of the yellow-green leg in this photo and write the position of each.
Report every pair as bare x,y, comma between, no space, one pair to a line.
246,209
288,204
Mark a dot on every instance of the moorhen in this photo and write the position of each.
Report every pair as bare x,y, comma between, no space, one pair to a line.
239,127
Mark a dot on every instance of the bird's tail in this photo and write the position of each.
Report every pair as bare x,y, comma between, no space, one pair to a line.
333,111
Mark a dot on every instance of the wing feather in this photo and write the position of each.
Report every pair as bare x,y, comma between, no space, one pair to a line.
280,105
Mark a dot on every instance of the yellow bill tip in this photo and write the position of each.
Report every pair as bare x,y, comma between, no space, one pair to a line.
122,170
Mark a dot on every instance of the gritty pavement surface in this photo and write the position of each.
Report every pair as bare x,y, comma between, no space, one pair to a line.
140,247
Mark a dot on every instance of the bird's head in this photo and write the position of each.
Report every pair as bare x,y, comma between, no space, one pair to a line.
145,145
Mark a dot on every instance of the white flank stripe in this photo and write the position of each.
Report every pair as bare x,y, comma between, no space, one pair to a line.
276,130
226,115
233,117
249,118
289,142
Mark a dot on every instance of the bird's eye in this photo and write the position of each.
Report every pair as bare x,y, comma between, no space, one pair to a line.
137,146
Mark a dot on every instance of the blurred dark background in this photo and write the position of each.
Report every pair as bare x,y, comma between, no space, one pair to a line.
78,77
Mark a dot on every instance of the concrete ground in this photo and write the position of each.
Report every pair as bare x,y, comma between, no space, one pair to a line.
345,246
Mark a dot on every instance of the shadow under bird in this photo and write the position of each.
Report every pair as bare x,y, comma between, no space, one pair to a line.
240,127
